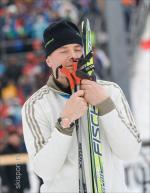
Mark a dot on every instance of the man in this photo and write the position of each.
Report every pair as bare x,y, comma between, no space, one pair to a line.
49,116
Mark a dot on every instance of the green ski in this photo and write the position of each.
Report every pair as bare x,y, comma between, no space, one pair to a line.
93,119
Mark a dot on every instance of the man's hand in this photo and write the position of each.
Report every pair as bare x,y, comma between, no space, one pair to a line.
75,107
93,92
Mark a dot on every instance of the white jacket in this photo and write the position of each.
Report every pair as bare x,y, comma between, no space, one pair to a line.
54,155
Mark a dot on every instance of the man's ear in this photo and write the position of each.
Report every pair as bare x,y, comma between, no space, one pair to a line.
48,61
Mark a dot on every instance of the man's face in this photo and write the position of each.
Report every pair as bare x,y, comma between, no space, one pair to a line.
64,56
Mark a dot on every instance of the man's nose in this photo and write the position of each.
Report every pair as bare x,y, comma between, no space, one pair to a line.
73,54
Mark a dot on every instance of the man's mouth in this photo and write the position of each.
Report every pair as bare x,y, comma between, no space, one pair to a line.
69,67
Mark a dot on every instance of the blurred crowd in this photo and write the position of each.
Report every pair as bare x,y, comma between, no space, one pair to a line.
23,69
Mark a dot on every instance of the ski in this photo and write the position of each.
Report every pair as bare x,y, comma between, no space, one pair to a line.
93,119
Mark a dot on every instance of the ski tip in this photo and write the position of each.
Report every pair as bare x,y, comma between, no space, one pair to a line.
88,25
82,25
85,24
85,21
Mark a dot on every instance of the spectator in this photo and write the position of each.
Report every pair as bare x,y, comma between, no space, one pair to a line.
39,26
13,69
102,64
10,91
13,146
128,8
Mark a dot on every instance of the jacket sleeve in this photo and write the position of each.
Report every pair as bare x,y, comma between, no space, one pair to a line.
119,127
47,147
